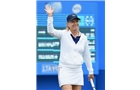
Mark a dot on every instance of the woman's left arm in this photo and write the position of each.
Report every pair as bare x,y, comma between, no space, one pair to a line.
88,60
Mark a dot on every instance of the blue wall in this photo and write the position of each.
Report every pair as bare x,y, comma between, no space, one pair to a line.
100,78
51,82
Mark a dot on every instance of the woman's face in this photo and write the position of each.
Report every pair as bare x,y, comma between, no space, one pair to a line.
73,25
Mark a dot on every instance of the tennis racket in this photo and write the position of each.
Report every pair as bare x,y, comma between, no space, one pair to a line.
92,84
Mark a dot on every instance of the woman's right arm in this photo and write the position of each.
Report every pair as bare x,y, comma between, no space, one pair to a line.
50,28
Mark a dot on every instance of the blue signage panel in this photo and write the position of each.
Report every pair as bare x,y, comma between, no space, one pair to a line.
87,20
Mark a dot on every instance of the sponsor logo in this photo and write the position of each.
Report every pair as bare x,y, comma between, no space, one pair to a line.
76,8
49,68
89,20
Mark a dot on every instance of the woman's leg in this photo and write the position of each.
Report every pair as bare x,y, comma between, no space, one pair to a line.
67,87
76,87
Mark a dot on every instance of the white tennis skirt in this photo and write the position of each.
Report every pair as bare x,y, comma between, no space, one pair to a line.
70,75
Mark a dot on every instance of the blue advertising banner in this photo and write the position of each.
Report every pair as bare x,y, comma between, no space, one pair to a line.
48,47
87,12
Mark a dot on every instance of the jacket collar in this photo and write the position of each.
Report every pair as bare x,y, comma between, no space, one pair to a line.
72,34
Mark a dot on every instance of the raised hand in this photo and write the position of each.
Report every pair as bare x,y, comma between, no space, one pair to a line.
49,10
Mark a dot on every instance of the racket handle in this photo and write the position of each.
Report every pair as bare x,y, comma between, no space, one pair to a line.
92,84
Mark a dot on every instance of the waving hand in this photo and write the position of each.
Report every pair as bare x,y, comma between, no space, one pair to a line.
49,10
